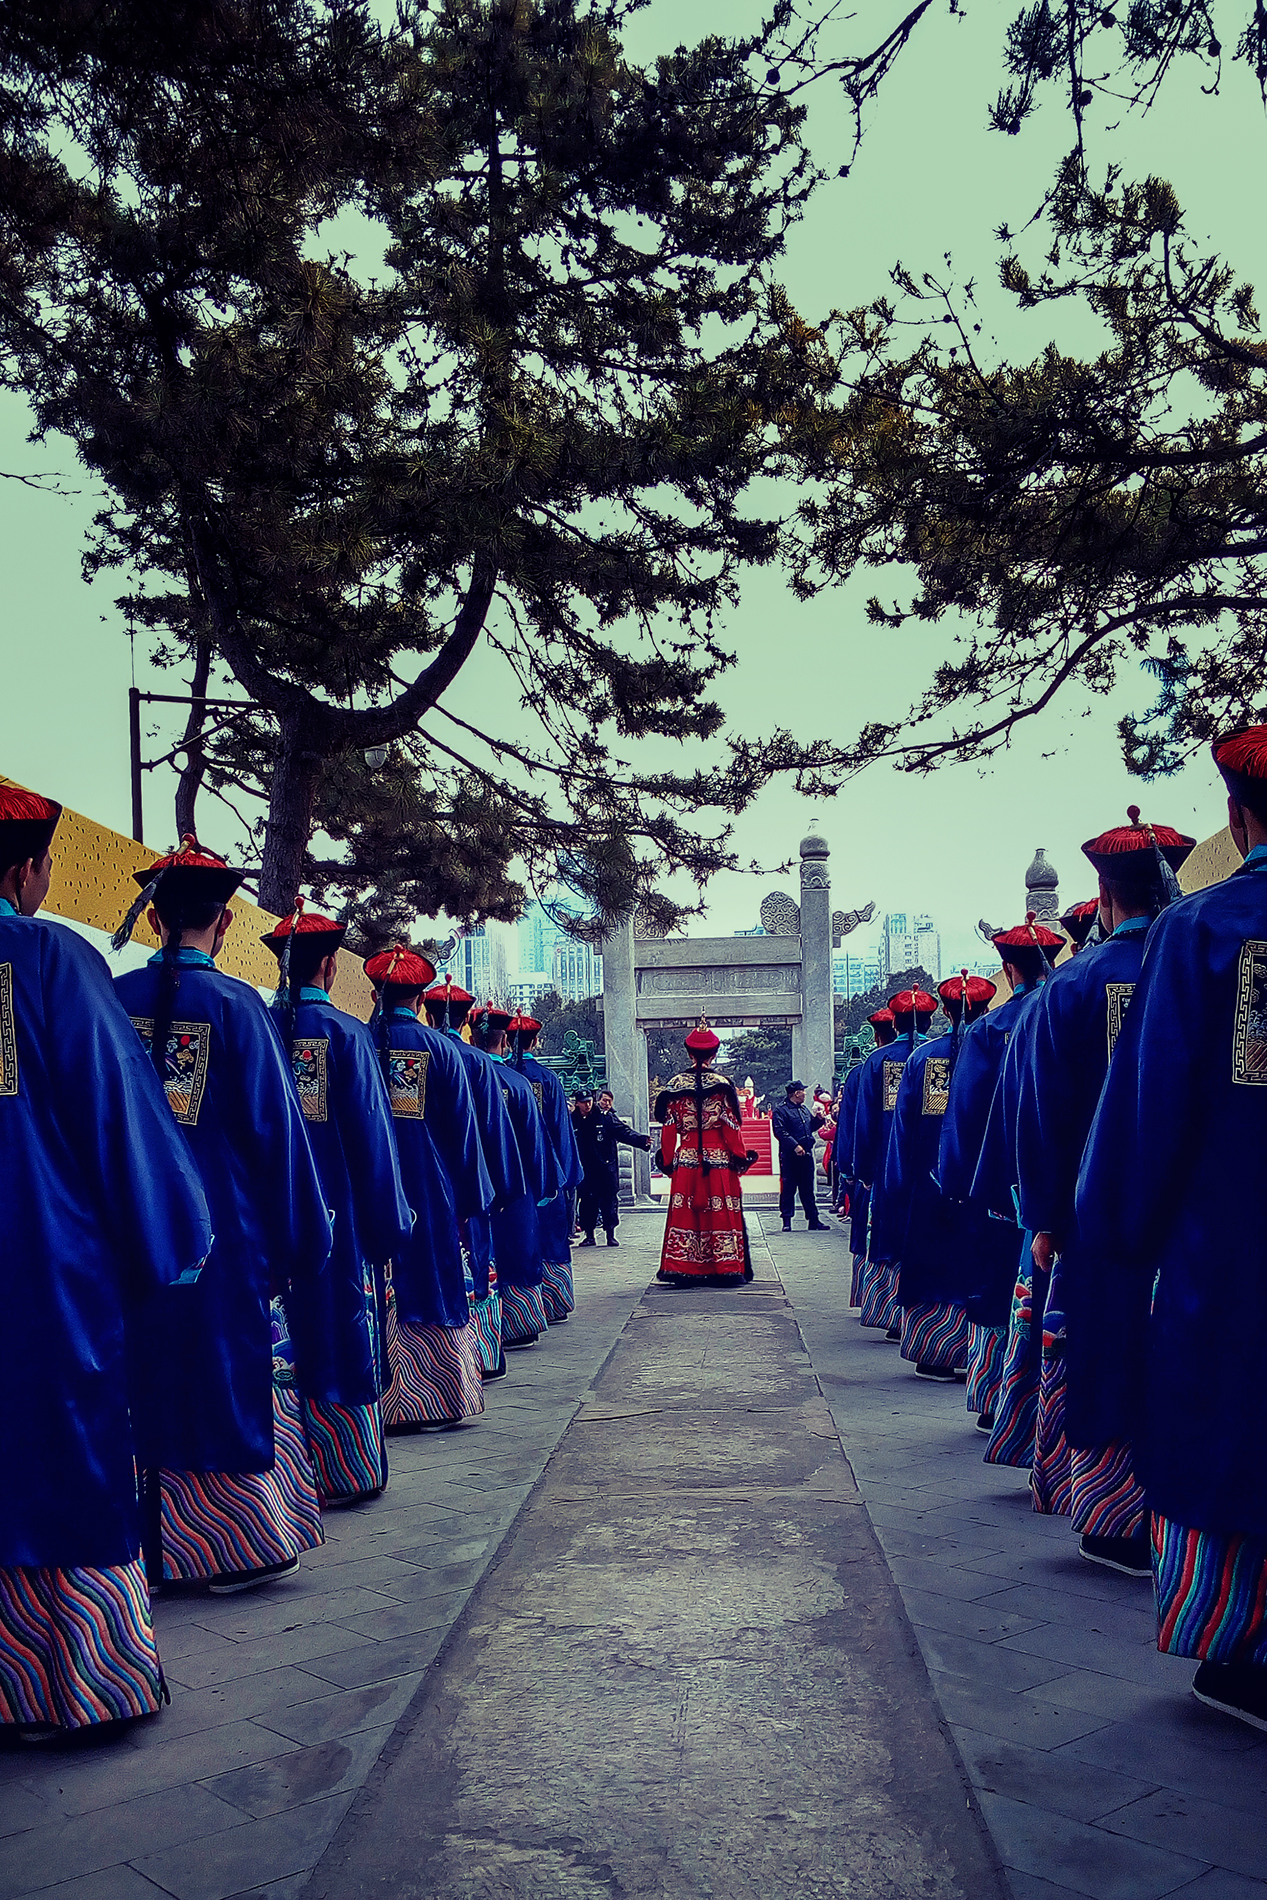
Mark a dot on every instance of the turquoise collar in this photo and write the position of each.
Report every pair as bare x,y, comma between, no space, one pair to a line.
311,994
401,1011
1256,857
1131,927
6,908
188,958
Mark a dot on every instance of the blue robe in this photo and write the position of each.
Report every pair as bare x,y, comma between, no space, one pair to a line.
994,1244
994,1182
341,1090
427,1272
916,1224
499,1148
1170,1200
202,1358
554,1220
881,1074
845,1127
102,1206
516,1230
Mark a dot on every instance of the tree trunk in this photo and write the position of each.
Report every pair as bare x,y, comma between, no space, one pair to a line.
296,764
189,783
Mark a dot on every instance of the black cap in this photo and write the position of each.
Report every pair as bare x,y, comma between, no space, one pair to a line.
792,1088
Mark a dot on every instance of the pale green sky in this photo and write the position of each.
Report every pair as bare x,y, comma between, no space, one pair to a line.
930,178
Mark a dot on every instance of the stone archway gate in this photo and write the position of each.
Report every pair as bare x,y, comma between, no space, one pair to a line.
737,982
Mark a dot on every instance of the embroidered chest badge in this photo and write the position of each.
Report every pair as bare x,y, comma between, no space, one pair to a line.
1116,996
936,1085
407,1082
1249,1028
308,1056
892,1083
185,1069
8,1034
539,1092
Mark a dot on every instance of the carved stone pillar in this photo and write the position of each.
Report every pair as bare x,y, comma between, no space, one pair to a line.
816,1040
625,1045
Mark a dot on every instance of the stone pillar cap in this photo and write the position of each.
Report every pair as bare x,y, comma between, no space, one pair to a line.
815,847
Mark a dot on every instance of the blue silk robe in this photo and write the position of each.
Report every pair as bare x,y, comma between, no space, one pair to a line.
499,1147
427,1271
102,1207
1171,1199
995,1178
344,1099
202,1359
916,1224
516,1229
879,1080
994,1244
554,1220
845,1128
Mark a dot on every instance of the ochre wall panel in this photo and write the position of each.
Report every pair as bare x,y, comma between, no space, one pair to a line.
92,882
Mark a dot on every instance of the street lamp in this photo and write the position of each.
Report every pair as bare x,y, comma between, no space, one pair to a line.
375,757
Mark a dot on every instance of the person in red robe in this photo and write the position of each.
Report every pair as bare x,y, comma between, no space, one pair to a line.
702,1150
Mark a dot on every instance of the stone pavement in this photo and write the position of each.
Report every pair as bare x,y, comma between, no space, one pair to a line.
282,1700
687,1674
1099,1773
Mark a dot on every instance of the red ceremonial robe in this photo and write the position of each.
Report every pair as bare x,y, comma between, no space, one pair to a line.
704,1234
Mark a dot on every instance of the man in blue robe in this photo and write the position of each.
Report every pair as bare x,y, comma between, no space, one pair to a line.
859,1196
1027,953
912,1012
214,1402
475,1122
973,1087
431,1342
102,1206
1170,1198
336,1319
555,1218
1075,1024
516,1229
925,1232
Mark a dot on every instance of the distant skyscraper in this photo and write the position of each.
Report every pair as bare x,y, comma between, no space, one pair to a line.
479,965
576,970
538,934
928,946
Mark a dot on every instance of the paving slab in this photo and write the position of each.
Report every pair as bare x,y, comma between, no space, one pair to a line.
1098,1772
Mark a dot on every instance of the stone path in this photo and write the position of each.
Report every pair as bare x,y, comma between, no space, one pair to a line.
687,1673
1098,1771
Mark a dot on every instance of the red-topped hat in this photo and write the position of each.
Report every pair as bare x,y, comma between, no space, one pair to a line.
913,1003
1031,935
965,989
304,923
524,1025
1078,919
405,968
27,824
1127,851
1242,759
702,1040
879,1016
188,875
448,992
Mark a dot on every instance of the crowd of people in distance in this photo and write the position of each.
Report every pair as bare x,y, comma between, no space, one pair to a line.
244,1246
1059,1202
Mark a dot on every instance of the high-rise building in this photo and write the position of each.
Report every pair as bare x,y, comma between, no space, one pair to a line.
478,964
928,946
855,974
897,947
525,989
576,970
538,934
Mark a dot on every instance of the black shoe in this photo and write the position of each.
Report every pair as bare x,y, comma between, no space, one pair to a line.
819,1227
985,1421
787,1226
498,1372
894,1332
1238,1689
940,1373
235,1580
612,1241
588,1241
1130,1555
